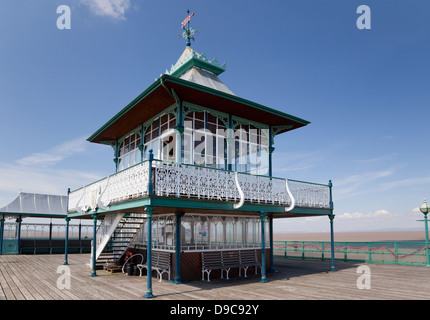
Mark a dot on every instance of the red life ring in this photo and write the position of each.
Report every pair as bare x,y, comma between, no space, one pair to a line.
128,257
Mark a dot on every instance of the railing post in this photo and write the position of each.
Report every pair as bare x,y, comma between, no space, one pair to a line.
66,246
1,234
178,248
263,248
19,220
150,186
148,293
93,274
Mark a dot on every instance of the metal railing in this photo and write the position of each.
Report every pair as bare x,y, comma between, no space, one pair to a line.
191,181
397,252
47,231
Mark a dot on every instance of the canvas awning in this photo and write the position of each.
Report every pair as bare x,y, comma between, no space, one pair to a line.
37,205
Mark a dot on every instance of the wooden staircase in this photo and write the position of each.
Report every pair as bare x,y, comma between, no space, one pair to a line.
124,232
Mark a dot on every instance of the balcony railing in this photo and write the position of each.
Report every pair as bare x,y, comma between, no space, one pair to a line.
191,181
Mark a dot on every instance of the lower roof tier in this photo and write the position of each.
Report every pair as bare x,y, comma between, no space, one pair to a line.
168,90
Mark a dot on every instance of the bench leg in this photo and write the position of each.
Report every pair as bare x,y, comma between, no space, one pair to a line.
246,269
227,271
207,272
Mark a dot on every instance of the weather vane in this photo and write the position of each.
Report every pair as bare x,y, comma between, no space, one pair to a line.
188,31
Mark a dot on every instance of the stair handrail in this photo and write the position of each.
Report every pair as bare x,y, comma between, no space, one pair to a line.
101,244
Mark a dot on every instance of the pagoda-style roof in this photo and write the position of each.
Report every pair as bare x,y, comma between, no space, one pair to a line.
194,79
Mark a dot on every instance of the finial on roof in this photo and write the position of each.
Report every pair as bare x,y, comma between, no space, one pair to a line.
188,31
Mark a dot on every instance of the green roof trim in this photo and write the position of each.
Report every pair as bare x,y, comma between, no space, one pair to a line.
169,78
235,98
138,99
196,62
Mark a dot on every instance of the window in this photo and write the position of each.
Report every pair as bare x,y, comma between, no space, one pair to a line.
161,138
128,152
251,150
204,140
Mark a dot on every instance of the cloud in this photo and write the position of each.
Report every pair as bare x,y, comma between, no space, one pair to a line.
45,172
56,154
360,215
359,183
115,9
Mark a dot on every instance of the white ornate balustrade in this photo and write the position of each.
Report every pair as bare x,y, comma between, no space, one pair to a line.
190,181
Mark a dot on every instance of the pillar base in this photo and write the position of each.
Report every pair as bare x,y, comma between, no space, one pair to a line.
148,294
263,280
94,274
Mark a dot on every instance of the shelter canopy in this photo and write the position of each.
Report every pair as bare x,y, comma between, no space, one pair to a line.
37,205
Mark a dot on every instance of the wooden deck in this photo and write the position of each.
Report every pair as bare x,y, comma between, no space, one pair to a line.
34,277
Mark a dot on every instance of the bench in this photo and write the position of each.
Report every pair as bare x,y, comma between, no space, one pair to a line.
248,258
160,262
226,260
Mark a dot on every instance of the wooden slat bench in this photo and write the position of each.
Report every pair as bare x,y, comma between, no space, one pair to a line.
226,260
160,262
248,258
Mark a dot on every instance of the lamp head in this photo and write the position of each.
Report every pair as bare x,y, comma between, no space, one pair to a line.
425,208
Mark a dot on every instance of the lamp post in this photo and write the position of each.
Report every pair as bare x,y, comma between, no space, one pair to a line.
425,208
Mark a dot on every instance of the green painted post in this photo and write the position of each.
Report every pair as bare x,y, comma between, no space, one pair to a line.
285,250
322,250
263,248
19,220
1,234
396,248
148,293
178,248
271,149
150,186
427,240
66,245
331,217
94,274
370,251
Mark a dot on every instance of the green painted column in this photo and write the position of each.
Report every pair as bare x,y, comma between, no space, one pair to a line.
148,293
263,248
179,129
230,144
150,186
271,149
178,278
66,245
1,234
19,220
331,217
93,274
427,240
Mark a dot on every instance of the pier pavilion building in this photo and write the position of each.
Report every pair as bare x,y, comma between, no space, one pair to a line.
193,175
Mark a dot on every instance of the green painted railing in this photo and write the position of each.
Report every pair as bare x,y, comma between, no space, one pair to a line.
399,252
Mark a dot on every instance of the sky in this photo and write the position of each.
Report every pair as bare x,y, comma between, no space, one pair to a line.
366,92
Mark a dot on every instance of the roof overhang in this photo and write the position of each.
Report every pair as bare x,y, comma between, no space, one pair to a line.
158,96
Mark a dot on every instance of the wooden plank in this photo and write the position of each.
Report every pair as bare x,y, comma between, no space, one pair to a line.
34,277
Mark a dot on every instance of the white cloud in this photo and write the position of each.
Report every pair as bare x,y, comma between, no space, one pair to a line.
111,8
360,215
38,172
55,154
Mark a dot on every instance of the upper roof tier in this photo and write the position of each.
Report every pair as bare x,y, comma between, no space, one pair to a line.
197,68
194,79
